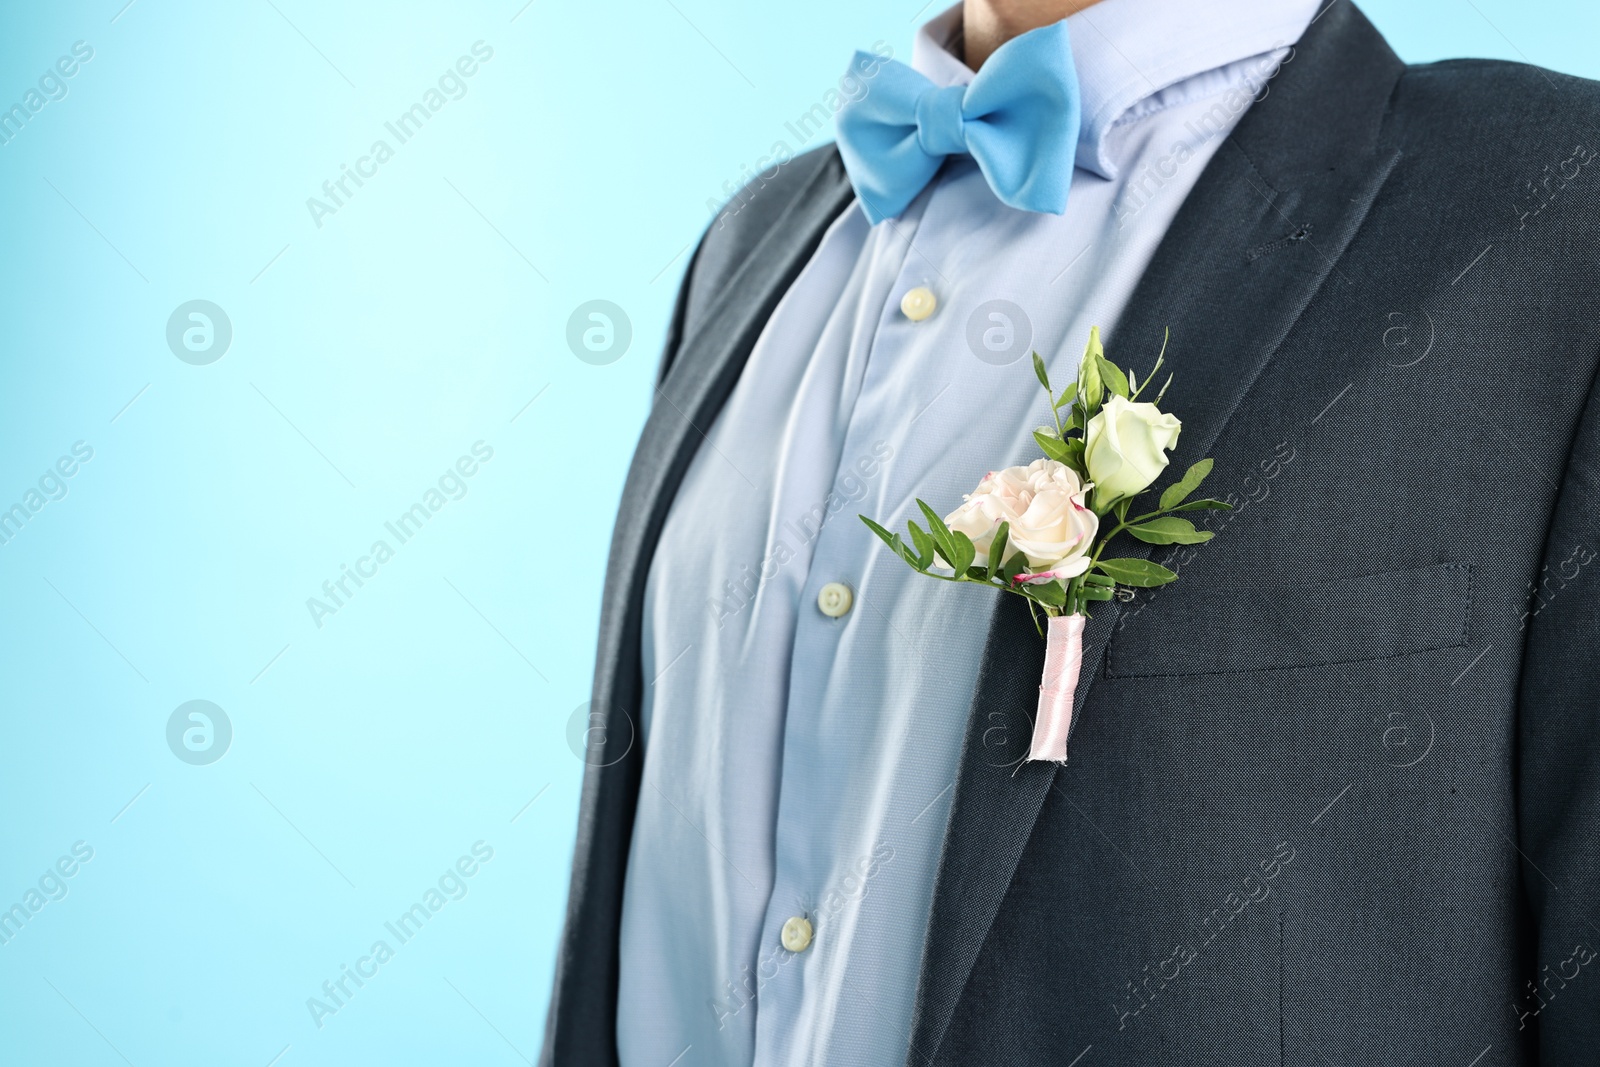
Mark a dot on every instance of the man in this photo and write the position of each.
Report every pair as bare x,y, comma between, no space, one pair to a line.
1333,797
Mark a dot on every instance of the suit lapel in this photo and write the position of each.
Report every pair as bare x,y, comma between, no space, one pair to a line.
1260,233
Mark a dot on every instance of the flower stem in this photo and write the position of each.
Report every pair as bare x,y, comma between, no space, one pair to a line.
1123,525
1055,413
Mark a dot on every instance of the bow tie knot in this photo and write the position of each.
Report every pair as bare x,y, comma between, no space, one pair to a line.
941,131
1018,120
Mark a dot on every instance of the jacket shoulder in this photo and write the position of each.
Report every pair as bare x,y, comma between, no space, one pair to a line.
1491,104
1485,143
748,217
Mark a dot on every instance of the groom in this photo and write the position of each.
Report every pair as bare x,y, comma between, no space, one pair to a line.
1334,797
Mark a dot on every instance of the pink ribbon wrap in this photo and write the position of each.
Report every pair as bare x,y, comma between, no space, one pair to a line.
1063,659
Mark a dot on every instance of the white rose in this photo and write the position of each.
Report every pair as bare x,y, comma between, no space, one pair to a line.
1125,448
1050,523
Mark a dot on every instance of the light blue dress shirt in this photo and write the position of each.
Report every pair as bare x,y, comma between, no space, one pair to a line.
799,764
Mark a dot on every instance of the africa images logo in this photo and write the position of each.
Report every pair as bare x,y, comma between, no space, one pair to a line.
199,332
199,732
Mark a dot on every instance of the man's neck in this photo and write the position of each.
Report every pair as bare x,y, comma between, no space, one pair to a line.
988,24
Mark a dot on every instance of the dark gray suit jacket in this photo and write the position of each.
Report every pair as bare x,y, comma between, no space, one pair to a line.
1334,798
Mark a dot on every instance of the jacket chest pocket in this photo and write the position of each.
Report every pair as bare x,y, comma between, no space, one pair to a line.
1275,625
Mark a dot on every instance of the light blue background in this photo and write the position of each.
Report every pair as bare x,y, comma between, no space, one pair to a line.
368,354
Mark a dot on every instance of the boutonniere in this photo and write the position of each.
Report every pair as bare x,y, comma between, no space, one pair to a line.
1038,531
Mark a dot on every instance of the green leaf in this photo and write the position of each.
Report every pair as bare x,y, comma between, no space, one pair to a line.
1122,508
1038,368
965,553
1091,578
1053,594
1112,375
885,535
939,531
1170,530
1174,494
1013,567
1051,445
924,543
997,550
1139,573
1204,504
893,541
1068,394
1074,457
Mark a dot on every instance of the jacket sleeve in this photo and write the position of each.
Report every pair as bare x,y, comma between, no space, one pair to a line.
581,1018
1559,769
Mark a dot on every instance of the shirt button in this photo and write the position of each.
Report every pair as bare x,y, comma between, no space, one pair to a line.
796,934
918,303
835,599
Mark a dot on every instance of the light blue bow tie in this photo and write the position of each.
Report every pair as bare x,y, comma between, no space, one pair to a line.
1018,120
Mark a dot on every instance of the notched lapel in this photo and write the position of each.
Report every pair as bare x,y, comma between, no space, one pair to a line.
1309,152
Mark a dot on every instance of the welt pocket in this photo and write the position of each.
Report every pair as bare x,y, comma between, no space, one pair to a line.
1274,625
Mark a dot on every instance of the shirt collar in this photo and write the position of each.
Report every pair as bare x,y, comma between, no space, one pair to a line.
1137,57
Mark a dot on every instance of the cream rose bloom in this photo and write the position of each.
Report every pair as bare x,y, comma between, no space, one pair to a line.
1125,448
1050,523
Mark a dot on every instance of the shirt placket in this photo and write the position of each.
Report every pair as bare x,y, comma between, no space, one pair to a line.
795,937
